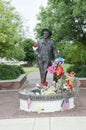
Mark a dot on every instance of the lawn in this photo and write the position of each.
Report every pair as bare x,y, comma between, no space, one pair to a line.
65,66
30,69
35,69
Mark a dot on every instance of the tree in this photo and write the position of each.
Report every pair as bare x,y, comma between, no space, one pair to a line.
10,28
77,54
17,53
29,53
66,18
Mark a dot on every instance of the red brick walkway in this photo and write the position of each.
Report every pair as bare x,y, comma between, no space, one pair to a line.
9,104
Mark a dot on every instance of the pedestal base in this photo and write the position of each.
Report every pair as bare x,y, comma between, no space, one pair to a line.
45,106
45,103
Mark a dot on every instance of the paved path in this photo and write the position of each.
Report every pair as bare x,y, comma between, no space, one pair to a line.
9,103
49,123
12,118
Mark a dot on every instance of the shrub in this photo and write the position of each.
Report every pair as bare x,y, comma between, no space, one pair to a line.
78,69
10,72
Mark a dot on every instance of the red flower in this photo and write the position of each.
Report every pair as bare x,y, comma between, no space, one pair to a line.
35,47
46,83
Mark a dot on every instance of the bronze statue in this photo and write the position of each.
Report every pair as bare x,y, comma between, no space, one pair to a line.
43,52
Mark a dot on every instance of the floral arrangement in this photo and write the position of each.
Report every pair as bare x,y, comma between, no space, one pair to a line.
56,67
67,82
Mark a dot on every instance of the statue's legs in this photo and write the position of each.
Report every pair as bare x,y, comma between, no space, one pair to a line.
43,70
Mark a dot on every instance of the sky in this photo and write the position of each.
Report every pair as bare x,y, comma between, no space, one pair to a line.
29,9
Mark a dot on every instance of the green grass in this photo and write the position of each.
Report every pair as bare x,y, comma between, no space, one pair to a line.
65,66
30,69
35,69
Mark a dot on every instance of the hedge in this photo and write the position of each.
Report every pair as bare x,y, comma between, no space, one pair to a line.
8,72
80,70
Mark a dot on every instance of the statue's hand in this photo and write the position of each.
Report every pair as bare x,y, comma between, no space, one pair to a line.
39,56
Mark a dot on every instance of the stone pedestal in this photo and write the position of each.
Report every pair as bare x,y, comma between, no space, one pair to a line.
44,103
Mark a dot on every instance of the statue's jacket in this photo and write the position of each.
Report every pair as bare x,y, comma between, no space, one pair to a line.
45,50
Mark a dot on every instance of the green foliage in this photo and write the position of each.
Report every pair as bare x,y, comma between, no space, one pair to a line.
67,20
74,53
29,53
17,53
77,54
64,51
10,28
78,69
10,72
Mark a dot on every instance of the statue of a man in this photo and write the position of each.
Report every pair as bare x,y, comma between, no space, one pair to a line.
45,48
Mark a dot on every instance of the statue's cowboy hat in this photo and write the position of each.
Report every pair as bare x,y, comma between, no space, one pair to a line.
48,30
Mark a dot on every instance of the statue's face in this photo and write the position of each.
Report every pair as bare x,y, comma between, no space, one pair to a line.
45,34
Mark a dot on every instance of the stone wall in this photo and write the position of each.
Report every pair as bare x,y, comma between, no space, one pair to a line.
82,82
12,84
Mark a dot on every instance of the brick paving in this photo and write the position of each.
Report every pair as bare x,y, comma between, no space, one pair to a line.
9,102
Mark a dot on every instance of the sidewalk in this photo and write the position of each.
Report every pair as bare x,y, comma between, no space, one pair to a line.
49,123
12,118
9,103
